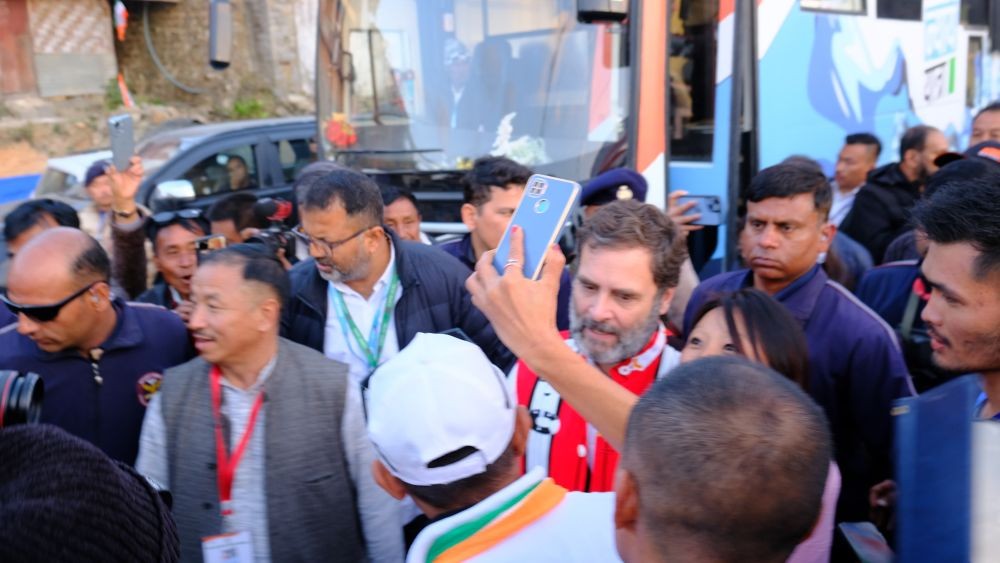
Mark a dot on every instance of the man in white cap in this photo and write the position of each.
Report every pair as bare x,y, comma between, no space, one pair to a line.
449,434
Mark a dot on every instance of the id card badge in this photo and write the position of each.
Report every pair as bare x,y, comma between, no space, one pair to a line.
236,547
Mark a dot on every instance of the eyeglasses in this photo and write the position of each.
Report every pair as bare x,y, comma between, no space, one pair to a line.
327,247
164,217
44,313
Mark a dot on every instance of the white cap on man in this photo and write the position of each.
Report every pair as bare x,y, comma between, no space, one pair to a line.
439,395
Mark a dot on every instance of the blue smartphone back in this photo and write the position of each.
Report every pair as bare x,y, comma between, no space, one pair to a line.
542,213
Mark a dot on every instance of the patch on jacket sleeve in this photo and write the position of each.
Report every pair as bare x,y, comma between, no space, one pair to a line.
147,386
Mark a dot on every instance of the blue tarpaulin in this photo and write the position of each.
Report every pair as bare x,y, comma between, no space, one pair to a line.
15,188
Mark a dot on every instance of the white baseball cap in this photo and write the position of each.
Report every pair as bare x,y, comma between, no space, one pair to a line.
438,395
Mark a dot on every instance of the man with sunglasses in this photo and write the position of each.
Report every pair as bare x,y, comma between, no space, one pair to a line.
174,236
101,359
366,293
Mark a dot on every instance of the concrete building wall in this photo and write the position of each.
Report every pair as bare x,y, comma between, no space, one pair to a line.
265,62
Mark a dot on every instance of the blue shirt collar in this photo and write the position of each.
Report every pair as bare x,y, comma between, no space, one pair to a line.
800,296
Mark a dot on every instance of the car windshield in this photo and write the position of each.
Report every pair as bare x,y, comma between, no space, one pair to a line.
431,85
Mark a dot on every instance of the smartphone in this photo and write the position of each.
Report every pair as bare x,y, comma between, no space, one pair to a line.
122,140
542,213
709,206
207,244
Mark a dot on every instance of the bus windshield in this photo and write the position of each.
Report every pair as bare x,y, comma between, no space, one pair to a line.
431,85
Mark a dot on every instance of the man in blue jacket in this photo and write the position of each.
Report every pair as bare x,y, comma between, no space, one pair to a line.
856,368
366,293
101,359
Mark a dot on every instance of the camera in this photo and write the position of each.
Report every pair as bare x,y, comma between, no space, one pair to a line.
21,397
276,235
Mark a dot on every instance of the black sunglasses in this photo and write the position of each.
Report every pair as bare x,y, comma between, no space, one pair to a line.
44,313
164,217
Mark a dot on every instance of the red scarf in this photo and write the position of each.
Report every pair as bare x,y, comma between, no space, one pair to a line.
569,451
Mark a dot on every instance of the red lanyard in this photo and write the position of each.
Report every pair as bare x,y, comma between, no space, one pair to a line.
225,464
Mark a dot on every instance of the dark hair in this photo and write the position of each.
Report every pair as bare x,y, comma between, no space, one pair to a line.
789,179
92,264
236,207
153,229
33,212
392,193
468,491
992,106
491,172
730,457
865,139
356,192
914,138
772,331
259,266
631,224
966,211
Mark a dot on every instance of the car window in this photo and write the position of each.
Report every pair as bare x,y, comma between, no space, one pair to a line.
233,169
294,155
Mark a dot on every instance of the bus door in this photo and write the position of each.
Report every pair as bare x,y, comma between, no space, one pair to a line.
704,116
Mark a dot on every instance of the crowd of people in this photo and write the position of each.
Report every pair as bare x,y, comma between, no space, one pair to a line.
357,392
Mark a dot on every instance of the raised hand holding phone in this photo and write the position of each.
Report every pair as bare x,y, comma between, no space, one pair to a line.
541,215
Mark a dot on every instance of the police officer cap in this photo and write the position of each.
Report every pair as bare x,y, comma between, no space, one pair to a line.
619,183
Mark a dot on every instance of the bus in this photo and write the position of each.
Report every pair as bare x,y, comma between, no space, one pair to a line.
695,94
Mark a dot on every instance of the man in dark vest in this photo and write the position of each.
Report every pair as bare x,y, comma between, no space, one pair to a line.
262,439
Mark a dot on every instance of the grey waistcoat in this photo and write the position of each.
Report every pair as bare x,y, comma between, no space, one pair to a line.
311,504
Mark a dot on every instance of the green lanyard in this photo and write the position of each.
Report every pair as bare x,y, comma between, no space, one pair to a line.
371,350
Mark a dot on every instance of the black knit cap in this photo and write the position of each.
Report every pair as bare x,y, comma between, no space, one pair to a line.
62,499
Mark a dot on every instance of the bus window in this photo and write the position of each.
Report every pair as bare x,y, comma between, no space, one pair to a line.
839,6
975,12
900,9
692,78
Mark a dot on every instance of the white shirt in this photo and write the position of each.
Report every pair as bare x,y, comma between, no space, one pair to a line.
339,343
842,203
249,496
580,528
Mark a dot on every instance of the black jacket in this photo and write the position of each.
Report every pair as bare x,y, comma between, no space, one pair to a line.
434,300
160,295
881,210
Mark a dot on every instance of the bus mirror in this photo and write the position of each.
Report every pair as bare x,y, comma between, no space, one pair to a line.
594,11
220,34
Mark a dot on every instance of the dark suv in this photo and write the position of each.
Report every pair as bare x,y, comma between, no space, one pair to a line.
203,163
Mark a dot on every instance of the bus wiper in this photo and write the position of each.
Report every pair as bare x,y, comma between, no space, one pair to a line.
386,151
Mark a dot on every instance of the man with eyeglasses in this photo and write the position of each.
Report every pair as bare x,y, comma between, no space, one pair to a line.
101,359
174,235
366,293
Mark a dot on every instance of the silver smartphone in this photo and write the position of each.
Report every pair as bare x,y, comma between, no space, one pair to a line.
122,140
708,206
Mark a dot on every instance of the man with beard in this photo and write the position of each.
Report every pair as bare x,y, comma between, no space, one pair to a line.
627,270
363,277
856,369
881,210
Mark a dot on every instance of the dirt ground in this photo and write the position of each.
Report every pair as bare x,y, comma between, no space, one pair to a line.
19,159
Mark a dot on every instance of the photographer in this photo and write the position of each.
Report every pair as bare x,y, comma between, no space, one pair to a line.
241,217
